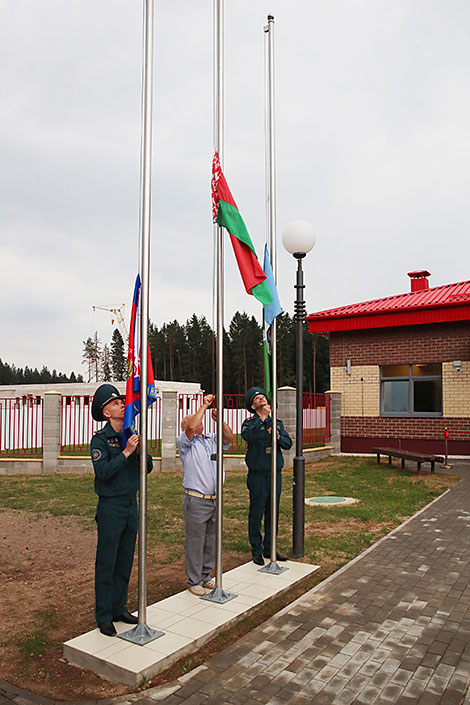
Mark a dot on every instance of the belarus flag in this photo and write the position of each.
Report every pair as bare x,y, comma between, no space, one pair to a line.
226,214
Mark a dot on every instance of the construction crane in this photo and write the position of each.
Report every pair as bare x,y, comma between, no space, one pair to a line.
117,316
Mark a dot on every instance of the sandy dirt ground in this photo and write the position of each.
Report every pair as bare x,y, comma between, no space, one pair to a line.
47,597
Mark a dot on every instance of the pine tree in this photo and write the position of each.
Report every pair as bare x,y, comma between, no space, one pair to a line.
246,352
9,374
6,373
105,364
118,357
45,376
91,356
285,350
175,344
200,352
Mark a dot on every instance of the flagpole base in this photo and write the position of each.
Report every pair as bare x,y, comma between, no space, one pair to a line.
447,467
141,634
273,568
219,596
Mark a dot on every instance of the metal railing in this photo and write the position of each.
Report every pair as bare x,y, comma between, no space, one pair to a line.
77,426
21,426
316,420
21,423
234,415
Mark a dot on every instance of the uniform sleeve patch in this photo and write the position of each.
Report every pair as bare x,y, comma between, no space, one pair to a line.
96,455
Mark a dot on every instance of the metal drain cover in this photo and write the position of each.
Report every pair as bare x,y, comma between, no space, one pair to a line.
330,500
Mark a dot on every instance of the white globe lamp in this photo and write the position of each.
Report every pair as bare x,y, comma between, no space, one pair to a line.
298,238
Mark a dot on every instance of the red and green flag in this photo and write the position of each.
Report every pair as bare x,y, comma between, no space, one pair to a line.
226,214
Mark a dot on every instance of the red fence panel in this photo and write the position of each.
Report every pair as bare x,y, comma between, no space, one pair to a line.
188,404
21,425
154,428
316,420
77,426
234,415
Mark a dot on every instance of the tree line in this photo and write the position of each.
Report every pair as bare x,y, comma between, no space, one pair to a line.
9,374
186,353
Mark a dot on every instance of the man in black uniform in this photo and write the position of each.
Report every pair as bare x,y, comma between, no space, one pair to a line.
256,431
116,464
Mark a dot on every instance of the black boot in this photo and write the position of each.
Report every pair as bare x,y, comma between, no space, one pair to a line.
107,628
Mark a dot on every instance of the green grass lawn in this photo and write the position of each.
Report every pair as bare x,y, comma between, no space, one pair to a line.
387,495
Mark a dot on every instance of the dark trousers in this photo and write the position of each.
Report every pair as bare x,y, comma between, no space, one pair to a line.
259,486
117,520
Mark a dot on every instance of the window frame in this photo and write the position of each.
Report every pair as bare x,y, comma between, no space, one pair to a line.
410,379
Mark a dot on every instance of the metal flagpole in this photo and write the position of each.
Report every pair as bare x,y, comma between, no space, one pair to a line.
142,633
273,566
219,595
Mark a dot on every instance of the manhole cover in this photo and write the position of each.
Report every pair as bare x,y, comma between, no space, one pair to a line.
330,500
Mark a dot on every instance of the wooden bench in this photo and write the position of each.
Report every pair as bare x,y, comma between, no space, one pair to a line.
418,458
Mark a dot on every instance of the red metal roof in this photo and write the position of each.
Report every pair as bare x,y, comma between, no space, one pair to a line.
450,302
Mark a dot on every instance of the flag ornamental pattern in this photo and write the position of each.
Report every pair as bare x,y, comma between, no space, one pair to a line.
227,215
132,403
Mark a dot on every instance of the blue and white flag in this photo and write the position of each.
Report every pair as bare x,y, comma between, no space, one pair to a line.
273,309
270,312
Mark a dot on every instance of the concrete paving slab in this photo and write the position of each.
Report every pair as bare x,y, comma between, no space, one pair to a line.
187,622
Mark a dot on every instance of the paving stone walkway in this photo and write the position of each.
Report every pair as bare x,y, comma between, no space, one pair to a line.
393,626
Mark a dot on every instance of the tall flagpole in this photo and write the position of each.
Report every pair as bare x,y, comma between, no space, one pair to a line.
272,566
219,595
142,633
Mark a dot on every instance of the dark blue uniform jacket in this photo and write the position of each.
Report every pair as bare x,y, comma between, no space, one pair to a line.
115,475
255,433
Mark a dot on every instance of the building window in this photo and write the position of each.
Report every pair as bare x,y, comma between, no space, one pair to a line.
411,390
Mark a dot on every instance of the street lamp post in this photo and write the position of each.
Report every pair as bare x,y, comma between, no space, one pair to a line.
298,238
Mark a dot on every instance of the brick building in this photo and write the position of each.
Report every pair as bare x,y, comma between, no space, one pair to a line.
402,365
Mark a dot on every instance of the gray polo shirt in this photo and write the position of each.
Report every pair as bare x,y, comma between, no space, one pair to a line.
199,471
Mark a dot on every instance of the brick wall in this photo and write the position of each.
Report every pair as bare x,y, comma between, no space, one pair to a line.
456,389
392,427
360,390
359,435
361,425
441,342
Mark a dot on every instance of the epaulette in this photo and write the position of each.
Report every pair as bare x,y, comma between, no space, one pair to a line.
100,430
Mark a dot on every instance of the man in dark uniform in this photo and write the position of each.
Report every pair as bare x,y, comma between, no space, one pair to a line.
116,464
256,431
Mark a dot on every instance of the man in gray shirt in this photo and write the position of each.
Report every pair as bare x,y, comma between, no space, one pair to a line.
197,452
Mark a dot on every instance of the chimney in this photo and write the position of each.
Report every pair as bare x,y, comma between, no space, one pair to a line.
419,279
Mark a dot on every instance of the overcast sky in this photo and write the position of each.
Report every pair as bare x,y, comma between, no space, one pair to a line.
372,133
